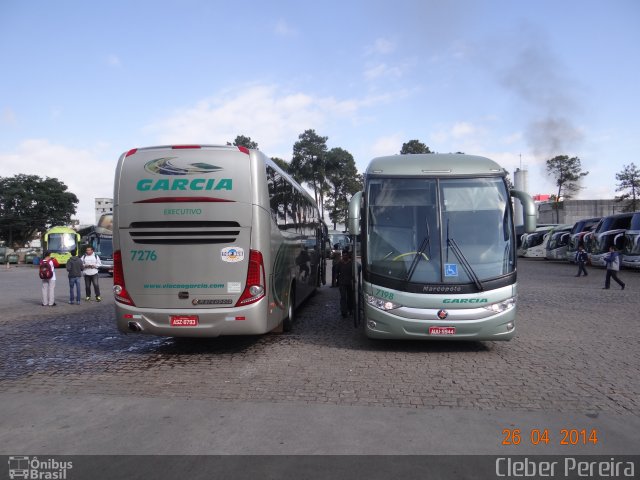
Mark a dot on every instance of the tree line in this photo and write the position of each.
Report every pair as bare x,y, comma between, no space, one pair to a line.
29,204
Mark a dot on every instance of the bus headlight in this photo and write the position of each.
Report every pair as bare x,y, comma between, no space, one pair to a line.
380,303
502,306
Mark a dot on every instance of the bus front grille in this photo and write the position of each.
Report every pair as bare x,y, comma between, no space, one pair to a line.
183,233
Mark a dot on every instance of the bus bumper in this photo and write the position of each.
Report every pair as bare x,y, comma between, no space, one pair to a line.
631,261
385,325
249,320
597,259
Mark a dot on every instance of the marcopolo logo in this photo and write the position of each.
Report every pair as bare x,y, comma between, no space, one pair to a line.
175,167
465,300
34,468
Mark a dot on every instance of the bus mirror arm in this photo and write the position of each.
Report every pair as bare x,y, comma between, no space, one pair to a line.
528,209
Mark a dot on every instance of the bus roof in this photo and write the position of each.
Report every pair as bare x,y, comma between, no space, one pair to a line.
434,164
61,230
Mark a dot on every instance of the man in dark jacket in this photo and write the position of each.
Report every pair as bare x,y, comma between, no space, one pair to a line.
581,260
345,282
74,267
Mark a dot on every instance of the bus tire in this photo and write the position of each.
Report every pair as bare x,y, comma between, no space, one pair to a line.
287,323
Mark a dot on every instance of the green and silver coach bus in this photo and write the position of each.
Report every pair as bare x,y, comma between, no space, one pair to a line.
209,241
437,256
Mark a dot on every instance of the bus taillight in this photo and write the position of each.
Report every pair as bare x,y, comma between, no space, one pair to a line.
255,286
119,291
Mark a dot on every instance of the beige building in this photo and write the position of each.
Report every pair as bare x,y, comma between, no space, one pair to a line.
103,205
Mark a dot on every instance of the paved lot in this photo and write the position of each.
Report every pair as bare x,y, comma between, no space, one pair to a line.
575,360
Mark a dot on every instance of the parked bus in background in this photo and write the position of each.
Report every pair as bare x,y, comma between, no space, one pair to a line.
62,242
631,252
576,236
608,233
534,244
211,240
100,238
339,240
558,242
437,255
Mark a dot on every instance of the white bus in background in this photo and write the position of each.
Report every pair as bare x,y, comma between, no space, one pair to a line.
558,242
631,252
437,250
209,241
534,244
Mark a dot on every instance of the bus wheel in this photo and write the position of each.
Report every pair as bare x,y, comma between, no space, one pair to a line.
287,323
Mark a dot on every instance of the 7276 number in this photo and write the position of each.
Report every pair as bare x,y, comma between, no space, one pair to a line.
143,255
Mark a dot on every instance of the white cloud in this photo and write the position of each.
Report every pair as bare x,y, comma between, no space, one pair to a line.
283,29
387,145
463,129
382,70
456,136
8,117
269,116
114,61
82,171
382,46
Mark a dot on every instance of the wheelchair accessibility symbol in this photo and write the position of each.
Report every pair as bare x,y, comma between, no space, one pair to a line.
450,270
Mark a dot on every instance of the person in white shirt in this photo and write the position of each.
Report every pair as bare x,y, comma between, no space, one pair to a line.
91,262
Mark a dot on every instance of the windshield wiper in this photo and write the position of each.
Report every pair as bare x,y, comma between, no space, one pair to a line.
463,260
426,242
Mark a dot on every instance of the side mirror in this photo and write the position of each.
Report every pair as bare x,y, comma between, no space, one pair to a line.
353,223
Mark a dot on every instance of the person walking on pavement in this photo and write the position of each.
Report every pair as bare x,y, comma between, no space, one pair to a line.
48,276
613,267
91,262
581,260
74,268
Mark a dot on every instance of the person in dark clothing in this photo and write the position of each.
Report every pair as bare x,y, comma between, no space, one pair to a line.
335,263
302,260
613,266
345,283
581,260
74,267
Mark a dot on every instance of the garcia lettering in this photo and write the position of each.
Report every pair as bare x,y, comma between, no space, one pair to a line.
465,300
147,184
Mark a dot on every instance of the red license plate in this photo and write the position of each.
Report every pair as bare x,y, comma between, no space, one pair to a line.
184,320
442,330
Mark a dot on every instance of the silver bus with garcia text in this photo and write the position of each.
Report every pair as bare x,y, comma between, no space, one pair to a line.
211,240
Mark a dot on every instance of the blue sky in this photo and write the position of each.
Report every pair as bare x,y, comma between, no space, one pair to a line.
517,81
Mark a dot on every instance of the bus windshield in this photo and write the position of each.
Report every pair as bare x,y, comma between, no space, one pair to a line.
429,231
61,242
105,247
